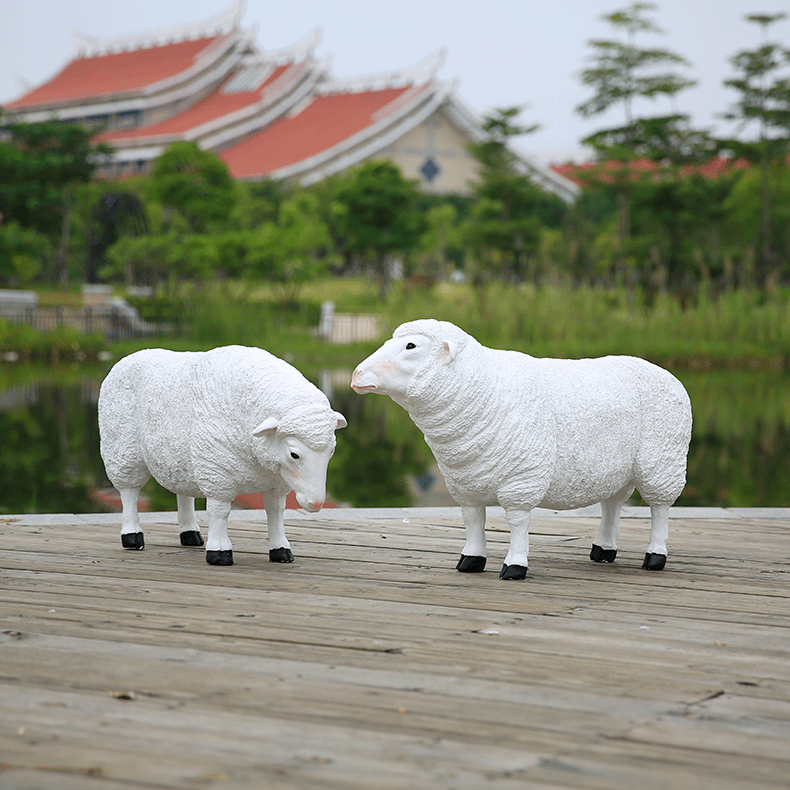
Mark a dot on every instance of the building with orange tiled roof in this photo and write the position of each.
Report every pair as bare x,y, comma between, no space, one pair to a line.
268,114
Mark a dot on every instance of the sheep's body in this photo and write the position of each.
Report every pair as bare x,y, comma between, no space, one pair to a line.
526,432
215,424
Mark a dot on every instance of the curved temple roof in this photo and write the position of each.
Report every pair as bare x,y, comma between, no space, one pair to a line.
115,73
325,122
272,115
218,103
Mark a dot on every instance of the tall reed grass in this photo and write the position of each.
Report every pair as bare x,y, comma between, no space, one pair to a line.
738,328
742,328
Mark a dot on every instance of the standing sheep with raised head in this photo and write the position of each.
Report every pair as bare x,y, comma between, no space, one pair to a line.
215,424
526,432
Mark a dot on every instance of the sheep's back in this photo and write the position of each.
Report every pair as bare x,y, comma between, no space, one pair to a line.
621,422
479,419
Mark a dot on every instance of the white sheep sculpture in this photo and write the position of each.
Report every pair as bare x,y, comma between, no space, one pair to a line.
215,424
526,432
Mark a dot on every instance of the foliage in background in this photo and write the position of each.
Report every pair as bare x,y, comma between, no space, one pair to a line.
64,344
653,222
23,253
505,226
294,249
762,81
195,183
379,217
41,167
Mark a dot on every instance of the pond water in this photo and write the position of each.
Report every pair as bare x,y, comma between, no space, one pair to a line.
50,445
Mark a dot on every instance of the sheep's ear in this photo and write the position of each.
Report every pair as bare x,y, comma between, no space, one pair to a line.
449,350
341,420
269,425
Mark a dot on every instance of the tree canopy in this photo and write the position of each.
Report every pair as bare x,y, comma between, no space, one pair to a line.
195,183
378,213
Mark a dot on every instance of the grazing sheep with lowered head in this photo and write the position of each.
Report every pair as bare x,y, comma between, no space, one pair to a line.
215,424
526,432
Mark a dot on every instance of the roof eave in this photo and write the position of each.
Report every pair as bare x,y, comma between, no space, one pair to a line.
547,178
75,109
224,129
367,142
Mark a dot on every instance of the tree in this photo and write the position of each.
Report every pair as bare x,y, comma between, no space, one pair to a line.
41,164
23,252
744,211
441,244
764,100
294,249
138,259
621,74
115,214
379,216
506,219
195,183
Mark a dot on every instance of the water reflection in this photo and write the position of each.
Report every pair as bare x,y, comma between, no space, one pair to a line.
50,446
740,442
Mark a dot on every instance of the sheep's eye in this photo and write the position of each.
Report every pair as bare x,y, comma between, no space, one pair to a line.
295,456
410,346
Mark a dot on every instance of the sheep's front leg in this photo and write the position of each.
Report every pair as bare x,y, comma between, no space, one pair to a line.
656,557
187,522
131,532
516,562
279,547
473,557
219,549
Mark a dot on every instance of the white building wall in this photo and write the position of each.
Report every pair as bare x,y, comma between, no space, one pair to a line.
435,140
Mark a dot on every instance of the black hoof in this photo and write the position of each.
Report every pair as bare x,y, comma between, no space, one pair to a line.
133,540
654,562
597,554
281,555
220,557
471,564
191,537
513,572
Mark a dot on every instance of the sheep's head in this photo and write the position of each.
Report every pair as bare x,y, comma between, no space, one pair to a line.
413,347
302,460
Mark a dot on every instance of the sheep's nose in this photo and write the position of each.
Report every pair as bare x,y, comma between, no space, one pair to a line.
314,505
358,384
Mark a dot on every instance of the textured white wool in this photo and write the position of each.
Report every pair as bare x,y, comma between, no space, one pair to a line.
189,417
508,427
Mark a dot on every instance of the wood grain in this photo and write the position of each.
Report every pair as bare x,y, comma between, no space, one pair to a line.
371,663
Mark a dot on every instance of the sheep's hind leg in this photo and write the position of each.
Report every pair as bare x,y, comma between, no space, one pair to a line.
219,550
516,562
604,547
656,556
473,557
131,532
187,523
279,547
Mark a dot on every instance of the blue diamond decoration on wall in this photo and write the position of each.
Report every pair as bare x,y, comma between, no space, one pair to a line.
430,170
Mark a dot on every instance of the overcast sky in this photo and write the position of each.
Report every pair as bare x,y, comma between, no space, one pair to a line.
502,52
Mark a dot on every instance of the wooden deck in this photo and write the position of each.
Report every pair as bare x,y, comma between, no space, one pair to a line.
371,663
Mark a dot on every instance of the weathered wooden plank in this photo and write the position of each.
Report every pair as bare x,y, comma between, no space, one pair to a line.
370,662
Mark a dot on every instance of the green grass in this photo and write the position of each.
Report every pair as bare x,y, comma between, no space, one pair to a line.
741,329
